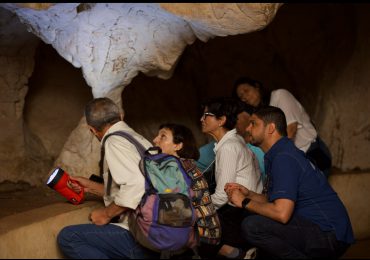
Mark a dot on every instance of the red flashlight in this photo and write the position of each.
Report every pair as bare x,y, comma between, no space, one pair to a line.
58,181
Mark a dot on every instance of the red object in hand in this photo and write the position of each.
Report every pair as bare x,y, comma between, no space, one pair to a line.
58,180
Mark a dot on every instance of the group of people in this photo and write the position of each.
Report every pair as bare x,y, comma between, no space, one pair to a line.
269,167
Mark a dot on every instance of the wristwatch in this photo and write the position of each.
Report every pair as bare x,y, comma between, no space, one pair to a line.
245,203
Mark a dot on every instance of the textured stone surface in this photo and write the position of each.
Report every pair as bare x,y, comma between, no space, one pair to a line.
316,51
112,43
222,19
344,112
32,234
319,52
44,219
18,150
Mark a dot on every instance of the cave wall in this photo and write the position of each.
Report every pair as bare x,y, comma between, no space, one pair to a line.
343,110
18,151
55,101
320,52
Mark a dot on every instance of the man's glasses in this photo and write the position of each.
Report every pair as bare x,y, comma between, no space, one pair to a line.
205,114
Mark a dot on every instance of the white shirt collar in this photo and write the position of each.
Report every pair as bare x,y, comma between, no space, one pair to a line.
227,136
119,126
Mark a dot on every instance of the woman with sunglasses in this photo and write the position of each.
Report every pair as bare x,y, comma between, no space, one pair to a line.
233,162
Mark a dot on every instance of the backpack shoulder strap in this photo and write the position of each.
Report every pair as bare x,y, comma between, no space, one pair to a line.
209,166
140,148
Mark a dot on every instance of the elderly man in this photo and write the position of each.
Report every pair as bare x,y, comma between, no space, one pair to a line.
104,239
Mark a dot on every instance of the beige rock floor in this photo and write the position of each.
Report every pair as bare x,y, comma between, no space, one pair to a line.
28,198
13,202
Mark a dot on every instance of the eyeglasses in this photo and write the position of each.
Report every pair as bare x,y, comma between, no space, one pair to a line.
205,114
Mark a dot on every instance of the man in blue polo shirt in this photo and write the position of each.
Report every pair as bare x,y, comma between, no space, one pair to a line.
298,215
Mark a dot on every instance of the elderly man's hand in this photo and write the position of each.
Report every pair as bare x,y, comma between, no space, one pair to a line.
99,216
78,183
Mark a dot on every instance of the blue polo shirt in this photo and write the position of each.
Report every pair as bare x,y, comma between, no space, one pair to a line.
290,175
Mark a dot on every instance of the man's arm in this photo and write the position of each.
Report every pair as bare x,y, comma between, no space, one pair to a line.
279,210
86,184
102,216
292,130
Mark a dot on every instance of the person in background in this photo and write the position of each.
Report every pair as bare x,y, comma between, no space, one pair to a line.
244,113
299,125
179,141
299,215
233,163
102,239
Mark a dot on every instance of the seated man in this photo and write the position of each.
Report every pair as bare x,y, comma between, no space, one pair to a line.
298,215
105,238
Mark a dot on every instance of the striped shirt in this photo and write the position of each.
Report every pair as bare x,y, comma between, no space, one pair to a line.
234,163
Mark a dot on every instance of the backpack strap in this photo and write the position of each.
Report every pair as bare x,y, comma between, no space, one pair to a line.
140,148
209,166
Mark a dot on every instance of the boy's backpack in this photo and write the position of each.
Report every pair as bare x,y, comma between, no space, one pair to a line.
165,218
208,223
209,174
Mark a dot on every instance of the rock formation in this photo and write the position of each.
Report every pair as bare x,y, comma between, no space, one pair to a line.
112,43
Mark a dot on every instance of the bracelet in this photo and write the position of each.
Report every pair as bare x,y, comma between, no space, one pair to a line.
245,203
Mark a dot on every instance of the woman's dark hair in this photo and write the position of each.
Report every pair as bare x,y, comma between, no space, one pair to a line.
265,95
182,134
223,106
244,107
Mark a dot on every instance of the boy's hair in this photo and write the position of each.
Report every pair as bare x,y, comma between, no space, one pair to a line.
182,134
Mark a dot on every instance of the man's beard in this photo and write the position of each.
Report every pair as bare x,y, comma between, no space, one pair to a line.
255,142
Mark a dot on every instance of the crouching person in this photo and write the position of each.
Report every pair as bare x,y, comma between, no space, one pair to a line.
298,215
103,239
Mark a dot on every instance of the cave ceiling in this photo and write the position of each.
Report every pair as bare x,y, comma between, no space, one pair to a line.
113,42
